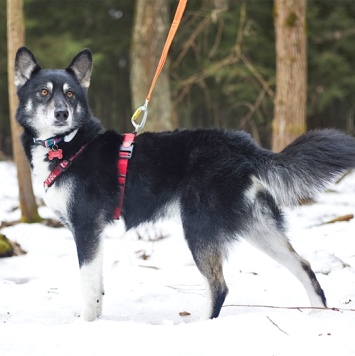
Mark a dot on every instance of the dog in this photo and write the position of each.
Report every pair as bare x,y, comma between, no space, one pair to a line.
219,182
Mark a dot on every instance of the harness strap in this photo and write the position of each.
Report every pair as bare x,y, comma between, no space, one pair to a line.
124,156
60,168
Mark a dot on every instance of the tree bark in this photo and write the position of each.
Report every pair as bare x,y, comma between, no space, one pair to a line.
15,39
150,29
291,72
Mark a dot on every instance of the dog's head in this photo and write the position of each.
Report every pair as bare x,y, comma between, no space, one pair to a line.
52,102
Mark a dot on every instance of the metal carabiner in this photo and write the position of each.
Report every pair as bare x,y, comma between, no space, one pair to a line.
136,114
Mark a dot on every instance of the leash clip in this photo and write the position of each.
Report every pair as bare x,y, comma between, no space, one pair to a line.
143,109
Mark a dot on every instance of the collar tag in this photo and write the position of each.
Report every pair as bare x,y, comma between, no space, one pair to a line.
58,153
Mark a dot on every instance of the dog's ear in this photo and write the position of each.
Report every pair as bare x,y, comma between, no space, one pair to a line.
81,66
25,65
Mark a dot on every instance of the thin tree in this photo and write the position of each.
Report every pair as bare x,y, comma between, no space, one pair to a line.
16,39
291,72
150,29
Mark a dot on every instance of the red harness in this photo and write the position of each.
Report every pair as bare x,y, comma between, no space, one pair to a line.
61,168
124,156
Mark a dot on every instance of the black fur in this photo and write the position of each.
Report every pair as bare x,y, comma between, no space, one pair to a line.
223,185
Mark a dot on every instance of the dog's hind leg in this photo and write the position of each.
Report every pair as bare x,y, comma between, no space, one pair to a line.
209,260
267,234
204,235
210,264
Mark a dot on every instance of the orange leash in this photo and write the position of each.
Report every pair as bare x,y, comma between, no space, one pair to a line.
173,28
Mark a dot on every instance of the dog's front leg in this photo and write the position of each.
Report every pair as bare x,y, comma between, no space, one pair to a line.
90,260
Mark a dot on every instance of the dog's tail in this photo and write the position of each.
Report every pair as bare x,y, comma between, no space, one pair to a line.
308,165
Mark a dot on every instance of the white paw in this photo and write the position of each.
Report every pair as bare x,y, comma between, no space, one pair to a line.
92,310
88,315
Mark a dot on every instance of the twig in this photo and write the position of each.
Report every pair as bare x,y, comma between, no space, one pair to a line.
151,267
189,289
208,71
253,109
202,25
48,222
290,308
342,218
278,326
257,75
238,44
343,176
217,40
339,219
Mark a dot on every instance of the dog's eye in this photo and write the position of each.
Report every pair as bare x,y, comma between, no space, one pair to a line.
69,94
44,92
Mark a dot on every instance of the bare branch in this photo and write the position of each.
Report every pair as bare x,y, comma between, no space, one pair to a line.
257,75
206,72
278,326
290,308
188,44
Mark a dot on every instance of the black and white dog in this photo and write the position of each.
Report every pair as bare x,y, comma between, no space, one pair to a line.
220,183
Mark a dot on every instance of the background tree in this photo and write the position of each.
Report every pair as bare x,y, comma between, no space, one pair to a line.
291,72
151,25
222,62
15,39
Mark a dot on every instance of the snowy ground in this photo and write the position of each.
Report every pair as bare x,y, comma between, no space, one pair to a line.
40,294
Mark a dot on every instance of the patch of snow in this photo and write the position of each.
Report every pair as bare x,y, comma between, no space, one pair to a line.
149,281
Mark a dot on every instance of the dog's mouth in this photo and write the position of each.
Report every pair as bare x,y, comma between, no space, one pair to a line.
60,124
60,128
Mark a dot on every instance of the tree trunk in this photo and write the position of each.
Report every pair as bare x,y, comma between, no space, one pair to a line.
149,34
291,72
15,39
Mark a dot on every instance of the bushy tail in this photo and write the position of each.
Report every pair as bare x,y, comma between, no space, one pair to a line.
308,165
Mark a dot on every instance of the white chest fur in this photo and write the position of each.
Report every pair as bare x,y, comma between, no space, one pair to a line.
55,198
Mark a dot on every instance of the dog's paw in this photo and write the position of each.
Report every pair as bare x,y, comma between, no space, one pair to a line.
92,309
91,313
88,314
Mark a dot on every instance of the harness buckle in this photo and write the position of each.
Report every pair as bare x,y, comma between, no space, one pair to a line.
126,149
126,152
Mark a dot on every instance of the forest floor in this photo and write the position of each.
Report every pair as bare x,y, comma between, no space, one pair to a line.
155,297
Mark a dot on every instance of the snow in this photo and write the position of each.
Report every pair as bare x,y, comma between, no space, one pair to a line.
40,291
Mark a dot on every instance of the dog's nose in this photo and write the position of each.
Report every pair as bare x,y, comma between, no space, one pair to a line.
61,115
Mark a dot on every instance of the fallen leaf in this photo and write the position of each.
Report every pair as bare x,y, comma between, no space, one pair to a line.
340,218
184,313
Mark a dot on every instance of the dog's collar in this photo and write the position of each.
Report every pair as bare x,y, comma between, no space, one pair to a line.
49,142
